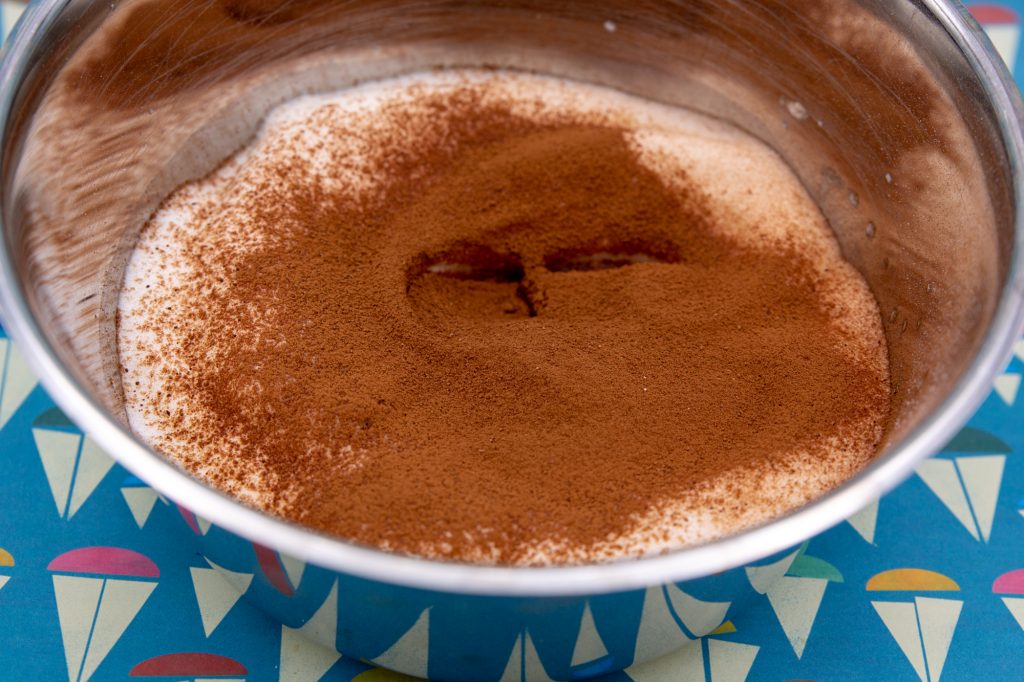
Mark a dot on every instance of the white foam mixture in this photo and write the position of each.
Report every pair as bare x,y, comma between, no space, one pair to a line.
755,194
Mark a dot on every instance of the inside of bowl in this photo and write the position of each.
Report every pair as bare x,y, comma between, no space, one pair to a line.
871,103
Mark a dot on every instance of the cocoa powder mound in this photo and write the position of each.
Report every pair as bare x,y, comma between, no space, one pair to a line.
518,337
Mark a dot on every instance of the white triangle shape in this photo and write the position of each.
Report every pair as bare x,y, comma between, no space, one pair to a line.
796,602
409,654
11,12
589,646
683,665
524,665
322,626
58,451
982,477
901,620
864,522
293,568
1005,38
3,580
937,619
120,603
18,381
204,525
659,634
240,581
78,599
1016,606
215,596
303,660
140,501
731,661
514,667
93,465
940,476
763,577
699,617
304,655
533,668
1007,385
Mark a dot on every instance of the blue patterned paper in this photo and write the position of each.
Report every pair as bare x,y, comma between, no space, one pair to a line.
927,584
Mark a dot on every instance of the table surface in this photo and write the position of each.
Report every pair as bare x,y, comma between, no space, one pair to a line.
948,543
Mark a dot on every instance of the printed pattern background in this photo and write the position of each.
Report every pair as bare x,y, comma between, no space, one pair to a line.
926,584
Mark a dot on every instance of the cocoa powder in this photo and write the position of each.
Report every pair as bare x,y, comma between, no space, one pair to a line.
519,337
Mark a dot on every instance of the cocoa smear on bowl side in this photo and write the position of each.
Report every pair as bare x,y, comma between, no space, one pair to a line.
519,336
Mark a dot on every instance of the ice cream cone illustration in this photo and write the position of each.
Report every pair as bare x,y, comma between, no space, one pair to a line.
679,633
590,656
217,591
922,626
524,664
714,658
304,654
99,591
671,618
73,464
1011,586
966,477
1003,27
796,595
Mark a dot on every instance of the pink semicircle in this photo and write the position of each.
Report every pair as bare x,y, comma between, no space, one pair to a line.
993,14
1009,583
187,664
106,561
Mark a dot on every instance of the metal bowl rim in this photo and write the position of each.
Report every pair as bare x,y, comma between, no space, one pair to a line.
746,547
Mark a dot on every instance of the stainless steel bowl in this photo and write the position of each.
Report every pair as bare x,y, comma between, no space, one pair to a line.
896,115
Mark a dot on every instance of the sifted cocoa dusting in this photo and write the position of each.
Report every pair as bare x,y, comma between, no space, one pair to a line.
517,341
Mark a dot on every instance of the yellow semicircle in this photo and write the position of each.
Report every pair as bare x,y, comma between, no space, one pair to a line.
914,579
382,675
5,558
